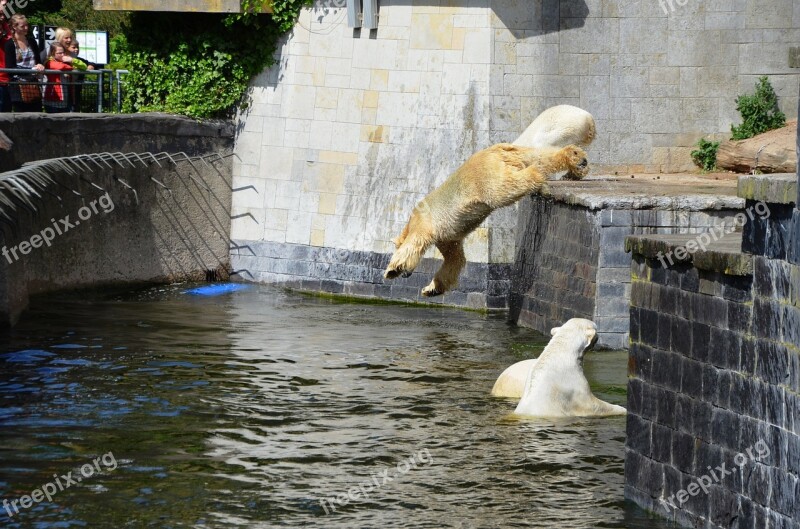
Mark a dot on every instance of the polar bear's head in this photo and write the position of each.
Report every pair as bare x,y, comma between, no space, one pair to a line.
576,161
575,336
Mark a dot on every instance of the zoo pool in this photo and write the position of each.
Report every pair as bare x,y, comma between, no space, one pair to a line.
248,409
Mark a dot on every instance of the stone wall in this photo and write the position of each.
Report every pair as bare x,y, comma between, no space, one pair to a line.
715,372
153,235
351,128
571,259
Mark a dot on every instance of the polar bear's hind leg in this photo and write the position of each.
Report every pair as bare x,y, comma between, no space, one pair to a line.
446,277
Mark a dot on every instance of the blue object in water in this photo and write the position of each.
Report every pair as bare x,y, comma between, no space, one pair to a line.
216,289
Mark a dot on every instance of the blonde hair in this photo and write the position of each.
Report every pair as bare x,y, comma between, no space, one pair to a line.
16,18
61,34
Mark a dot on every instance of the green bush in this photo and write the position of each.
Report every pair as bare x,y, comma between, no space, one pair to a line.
759,112
199,64
705,156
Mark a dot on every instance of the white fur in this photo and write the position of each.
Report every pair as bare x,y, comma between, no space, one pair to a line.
559,126
511,382
556,385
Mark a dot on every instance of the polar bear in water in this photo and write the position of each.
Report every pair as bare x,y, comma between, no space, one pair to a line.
555,385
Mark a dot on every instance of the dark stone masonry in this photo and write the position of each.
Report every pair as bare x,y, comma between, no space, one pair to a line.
713,431
570,250
355,273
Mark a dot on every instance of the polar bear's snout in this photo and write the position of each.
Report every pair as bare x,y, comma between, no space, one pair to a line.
583,163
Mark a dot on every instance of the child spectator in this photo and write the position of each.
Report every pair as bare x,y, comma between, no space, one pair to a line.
55,96
64,37
79,64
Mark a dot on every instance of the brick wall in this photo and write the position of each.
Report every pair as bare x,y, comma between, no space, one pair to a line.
571,261
714,372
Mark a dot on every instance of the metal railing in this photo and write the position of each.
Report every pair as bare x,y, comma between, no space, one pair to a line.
83,91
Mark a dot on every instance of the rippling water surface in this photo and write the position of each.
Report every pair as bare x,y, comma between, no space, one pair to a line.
263,408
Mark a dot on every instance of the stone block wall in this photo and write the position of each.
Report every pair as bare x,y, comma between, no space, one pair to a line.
714,381
571,260
351,128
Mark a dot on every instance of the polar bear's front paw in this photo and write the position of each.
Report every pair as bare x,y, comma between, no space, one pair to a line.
573,176
396,272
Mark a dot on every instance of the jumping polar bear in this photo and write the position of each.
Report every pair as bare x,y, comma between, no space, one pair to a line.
555,385
492,178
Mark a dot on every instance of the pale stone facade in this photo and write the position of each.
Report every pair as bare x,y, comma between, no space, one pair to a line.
351,128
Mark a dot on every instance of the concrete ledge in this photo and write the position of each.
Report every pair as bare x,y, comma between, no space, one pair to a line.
779,188
32,135
723,256
663,192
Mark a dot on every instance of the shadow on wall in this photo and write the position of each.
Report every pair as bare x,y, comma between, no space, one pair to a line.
526,19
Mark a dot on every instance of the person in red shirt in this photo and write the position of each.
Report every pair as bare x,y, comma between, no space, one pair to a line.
55,94
5,36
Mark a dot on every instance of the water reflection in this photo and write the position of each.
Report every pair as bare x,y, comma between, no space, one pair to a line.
246,410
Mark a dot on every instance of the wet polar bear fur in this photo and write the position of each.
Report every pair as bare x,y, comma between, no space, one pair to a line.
490,179
559,126
556,385
511,382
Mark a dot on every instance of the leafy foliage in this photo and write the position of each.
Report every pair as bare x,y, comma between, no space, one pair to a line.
759,112
200,65
705,156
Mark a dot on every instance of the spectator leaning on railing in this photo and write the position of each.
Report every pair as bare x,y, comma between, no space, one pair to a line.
5,36
80,64
55,94
23,52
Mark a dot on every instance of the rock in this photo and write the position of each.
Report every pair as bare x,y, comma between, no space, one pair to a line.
770,152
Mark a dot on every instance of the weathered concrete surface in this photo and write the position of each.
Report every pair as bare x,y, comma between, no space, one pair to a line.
34,135
167,236
714,379
680,191
723,255
780,188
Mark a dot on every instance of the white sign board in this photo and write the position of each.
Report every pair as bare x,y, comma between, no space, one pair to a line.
94,45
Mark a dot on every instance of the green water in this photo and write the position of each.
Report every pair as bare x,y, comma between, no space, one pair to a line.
252,408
